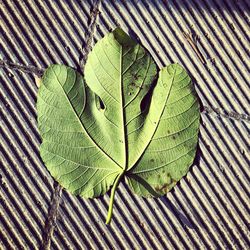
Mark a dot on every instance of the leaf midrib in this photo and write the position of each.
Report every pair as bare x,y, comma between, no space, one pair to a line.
122,110
81,124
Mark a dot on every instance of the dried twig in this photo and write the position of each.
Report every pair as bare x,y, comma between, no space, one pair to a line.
90,33
22,68
51,218
192,40
226,114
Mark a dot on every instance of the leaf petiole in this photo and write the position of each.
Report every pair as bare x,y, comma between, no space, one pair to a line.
112,196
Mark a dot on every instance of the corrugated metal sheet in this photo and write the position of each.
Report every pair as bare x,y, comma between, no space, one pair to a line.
209,208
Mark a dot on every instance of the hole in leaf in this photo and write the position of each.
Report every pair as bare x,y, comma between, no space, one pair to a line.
145,103
99,103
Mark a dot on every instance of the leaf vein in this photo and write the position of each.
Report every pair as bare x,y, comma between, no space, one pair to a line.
167,149
154,169
161,137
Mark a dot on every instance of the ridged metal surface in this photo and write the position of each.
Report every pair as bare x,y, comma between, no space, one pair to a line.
209,208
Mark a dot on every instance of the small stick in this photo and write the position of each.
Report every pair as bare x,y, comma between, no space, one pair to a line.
193,42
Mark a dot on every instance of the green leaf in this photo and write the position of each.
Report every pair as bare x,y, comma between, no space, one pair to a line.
122,122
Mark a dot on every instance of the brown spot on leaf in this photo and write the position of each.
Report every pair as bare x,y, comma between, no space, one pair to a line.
163,188
135,77
173,181
166,186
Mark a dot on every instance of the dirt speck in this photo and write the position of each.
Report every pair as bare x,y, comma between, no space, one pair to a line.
232,26
242,151
10,75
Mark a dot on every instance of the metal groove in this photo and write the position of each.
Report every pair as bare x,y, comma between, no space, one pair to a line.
17,155
216,79
226,65
226,213
208,209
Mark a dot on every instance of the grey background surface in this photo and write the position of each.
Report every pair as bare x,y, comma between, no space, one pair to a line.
209,208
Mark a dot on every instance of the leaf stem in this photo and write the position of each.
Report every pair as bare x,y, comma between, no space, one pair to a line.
111,202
